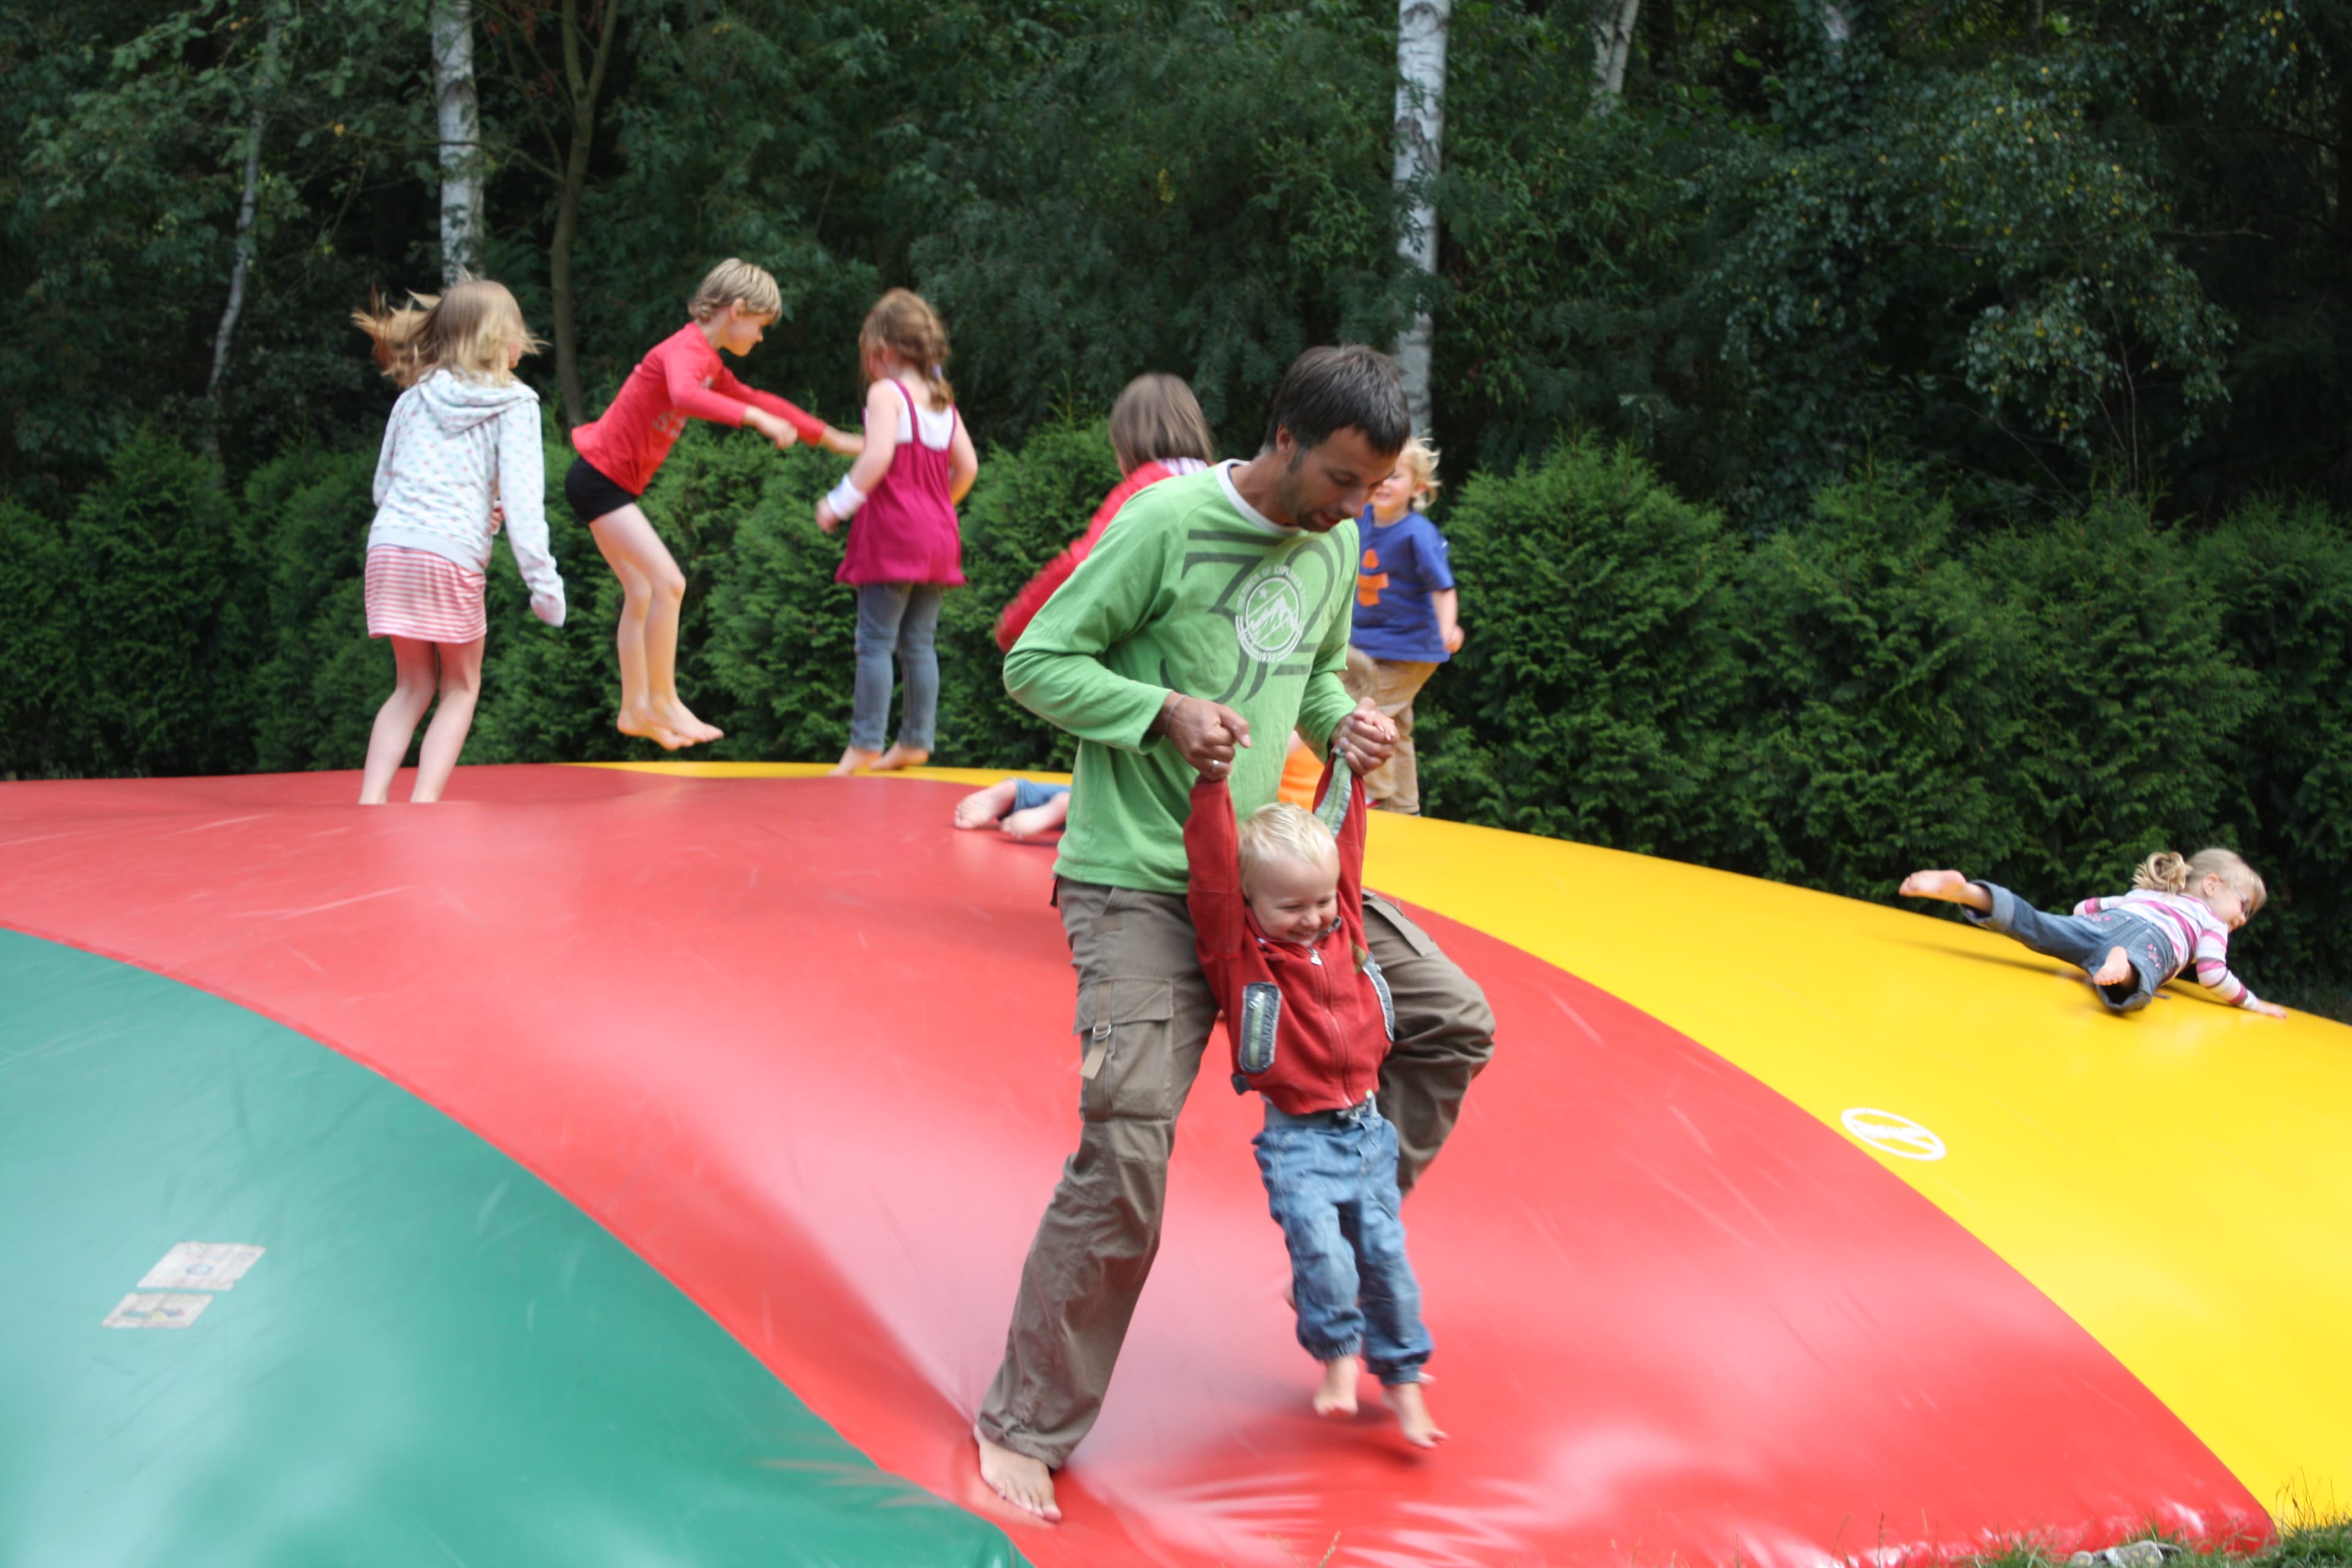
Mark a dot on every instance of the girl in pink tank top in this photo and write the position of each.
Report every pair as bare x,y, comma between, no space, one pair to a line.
905,548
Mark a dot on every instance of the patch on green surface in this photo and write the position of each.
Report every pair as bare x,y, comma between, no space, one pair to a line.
437,1359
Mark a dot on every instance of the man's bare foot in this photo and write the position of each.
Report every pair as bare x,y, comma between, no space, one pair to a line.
1412,1414
2114,971
1336,1395
1023,1482
645,727
851,761
898,757
1949,885
984,807
1038,820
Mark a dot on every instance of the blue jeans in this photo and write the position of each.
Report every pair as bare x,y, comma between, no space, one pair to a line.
897,618
1028,794
1332,1185
2084,941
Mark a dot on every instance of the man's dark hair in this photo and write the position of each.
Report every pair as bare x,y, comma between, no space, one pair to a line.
1329,389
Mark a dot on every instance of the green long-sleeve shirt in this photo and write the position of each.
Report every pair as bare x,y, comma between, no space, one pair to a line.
1191,591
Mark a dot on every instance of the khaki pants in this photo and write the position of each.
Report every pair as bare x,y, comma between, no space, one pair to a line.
1144,1016
1395,784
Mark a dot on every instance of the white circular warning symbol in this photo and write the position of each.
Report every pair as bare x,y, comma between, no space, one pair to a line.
1892,1134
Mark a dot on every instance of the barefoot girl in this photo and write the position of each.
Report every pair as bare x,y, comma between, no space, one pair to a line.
461,454
2179,913
682,378
905,551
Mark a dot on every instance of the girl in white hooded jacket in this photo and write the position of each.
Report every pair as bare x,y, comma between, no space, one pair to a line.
461,455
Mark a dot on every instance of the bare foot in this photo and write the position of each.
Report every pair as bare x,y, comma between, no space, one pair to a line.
1038,820
1413,1413
898,757
984,807
680,718
1949,886
2114,971
645,727
1023,1482
1337,1395
851,761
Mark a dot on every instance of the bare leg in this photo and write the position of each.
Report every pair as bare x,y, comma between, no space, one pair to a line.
1038,820
1023,1482
982,807
646,642
1336,1395
461,688
1950,887
1412,1414
412,663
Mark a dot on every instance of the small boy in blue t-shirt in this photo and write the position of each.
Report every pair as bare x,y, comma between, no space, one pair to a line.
1406,610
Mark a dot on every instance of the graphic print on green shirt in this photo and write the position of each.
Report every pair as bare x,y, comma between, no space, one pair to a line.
1191,591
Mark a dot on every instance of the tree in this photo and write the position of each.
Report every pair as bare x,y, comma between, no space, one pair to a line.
1422,29
458,119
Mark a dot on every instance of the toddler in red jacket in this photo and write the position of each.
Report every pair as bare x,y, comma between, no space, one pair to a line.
1277,905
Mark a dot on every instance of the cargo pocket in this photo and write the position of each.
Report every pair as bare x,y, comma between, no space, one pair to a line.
1414,937
1126,1067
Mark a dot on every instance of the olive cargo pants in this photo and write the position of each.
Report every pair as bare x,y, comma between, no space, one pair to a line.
1145,1013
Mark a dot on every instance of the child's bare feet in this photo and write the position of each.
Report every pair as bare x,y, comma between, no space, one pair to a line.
1023,1482
2114,971
898,757
984,807
646,727
1038,820
1337,1395
679,719
851,761
1949,885
1413,1413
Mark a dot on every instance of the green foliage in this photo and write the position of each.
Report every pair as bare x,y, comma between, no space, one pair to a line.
1592,699
36,644
318,678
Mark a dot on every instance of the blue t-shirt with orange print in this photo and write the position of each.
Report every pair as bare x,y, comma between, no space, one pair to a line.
1402,563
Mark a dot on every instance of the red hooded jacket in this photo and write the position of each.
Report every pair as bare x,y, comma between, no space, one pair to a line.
1310,1025
1031,598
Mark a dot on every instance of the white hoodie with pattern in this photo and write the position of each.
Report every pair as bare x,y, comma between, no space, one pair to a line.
454,449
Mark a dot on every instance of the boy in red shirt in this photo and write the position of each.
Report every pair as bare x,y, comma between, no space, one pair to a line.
1279,910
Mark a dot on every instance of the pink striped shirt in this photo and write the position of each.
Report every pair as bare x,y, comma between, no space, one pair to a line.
2197,934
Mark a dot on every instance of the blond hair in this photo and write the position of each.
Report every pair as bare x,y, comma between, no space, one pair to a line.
470,329
2166,872
1157,417
1419,459
734,280
1281,831
904,322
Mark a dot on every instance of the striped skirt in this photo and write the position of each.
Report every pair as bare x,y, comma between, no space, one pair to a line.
416,593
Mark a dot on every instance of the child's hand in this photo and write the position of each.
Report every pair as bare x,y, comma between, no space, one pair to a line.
1367,737
825,522
2267,1009
497,517
1453,639
1205,734
773,428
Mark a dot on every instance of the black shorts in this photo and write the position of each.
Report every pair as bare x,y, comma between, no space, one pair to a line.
591,493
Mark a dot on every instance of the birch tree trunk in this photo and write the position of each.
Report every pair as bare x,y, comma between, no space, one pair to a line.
1421,26
247,209
461,138
1613,46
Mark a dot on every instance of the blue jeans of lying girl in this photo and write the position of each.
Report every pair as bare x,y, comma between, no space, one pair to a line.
1331,1182
2084,941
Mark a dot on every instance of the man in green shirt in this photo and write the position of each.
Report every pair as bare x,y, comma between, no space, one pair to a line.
1210,622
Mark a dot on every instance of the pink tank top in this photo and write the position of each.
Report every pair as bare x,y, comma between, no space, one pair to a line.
906,532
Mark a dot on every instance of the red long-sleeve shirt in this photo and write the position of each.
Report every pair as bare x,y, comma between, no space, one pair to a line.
1330,1028
1033,594
682,378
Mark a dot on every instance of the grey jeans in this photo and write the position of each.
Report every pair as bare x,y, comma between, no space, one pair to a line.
1144,1015
898,619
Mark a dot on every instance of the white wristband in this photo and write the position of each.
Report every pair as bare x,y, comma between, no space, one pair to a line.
845,498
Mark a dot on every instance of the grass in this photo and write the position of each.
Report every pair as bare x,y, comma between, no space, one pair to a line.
2317,1545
